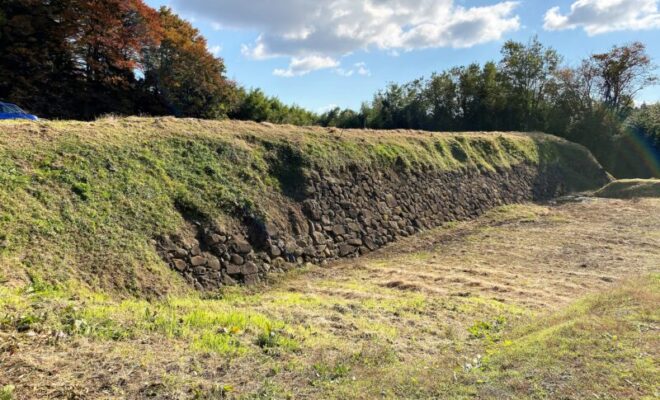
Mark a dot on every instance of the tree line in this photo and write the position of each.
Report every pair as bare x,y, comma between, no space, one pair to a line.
530,89
80,59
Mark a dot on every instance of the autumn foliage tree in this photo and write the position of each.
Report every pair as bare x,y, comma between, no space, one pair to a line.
106,47
621,73
186,78
84,58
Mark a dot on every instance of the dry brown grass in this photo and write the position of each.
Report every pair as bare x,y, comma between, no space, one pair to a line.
110,128
409,321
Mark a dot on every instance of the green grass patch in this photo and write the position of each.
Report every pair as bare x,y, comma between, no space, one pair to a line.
7,392
206,325
604,345
630,188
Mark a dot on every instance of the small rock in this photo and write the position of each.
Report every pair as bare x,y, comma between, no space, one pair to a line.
251,279
242,247
390,200
197,261
249,268
216,239
233,269
275,251
213,263
346,249
228,280
339,230
180,265
370,244
236,259
189,243
319,238
220,249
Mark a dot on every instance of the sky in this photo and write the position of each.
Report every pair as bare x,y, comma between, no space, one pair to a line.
325,53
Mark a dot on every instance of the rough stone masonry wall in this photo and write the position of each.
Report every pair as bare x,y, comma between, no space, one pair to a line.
350,212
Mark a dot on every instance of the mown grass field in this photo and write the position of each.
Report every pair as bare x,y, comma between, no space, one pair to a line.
530,301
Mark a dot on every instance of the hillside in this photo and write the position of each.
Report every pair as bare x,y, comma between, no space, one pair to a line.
96,204
187,259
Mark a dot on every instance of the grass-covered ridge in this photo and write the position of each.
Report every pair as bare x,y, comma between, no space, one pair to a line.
630,188
85,199
603,345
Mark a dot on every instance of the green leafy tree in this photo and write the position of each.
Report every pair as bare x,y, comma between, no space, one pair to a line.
492,99
528,72
37,68
255,105
345,118
441,93
645,122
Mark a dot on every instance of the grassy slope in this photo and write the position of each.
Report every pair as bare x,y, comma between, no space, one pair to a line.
80,202
603,346
630,188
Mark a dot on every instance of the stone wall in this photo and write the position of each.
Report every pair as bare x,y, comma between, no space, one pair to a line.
347,213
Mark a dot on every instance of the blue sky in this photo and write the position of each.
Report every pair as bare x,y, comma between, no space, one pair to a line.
323,53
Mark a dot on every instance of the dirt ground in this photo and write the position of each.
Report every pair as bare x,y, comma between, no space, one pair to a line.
402,322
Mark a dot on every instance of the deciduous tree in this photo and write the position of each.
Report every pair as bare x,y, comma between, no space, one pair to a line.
621,73
186,77
528,71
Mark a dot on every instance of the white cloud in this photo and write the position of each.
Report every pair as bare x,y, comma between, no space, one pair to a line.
358,68
601,16
362,69
300,29
300,66
256,52
215,50
344,72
